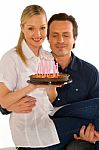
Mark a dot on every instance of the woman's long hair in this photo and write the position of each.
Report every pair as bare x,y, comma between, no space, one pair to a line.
28,12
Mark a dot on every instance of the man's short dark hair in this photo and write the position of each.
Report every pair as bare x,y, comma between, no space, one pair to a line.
63,17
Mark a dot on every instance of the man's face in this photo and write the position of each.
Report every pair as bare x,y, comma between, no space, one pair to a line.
61,37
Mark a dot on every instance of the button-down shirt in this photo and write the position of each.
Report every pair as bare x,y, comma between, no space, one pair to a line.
84,86
34,129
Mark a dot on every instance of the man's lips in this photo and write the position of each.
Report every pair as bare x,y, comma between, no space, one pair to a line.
60,46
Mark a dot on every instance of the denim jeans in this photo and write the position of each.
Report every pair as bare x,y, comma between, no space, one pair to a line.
80,145
87,110
69,119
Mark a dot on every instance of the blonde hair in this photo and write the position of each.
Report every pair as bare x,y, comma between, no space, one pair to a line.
28,12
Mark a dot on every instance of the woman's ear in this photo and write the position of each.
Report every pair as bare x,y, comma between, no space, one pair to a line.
21,26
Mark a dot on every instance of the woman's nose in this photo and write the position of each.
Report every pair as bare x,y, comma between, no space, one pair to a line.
37,33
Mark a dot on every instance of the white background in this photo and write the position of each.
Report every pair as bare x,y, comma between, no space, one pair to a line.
87,47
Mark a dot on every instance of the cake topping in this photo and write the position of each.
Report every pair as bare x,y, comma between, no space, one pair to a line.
46,67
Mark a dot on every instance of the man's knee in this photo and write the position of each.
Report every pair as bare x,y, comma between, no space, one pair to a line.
80,145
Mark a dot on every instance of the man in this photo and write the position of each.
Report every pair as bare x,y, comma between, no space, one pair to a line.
62,34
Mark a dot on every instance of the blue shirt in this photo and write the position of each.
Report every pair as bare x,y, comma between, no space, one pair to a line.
84,86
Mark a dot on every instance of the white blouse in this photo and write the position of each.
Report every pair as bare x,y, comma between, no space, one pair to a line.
34,129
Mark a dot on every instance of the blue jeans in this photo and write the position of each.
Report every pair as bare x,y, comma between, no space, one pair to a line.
86,111
69,119
80,145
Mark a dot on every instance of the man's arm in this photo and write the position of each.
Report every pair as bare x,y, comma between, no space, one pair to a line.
24,105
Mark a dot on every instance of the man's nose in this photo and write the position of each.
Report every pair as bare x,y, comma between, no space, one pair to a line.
60,39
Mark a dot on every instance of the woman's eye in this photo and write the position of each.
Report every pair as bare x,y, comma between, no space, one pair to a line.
30,29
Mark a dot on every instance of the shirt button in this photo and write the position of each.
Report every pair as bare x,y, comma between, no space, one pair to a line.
76,90
58,99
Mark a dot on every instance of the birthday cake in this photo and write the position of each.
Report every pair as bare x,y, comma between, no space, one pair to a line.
47,73
49,78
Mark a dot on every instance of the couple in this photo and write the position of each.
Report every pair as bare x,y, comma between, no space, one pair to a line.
80,117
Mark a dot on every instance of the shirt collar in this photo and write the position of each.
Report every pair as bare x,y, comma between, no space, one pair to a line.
26,50
29,53
73,64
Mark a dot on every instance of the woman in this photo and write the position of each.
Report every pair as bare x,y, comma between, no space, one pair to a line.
28,129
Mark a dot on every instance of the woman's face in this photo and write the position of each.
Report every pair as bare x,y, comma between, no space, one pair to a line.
35,30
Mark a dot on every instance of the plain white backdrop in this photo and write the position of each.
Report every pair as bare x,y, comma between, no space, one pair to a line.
87,47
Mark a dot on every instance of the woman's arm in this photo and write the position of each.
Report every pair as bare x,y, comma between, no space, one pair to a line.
52,93
8,97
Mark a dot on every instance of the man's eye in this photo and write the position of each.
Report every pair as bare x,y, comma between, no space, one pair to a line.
65,35
54,35
43,28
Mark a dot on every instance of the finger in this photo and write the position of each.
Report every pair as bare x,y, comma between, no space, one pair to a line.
82,131
25,109
28,98
59,85
24,105
96,137
97,134
87,131
30,102
29,105
91,134
76,137
25,100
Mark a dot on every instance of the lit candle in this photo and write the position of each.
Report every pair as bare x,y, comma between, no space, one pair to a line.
57,68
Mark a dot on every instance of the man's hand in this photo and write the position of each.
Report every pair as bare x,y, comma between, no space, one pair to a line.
24,105
88,134
96,137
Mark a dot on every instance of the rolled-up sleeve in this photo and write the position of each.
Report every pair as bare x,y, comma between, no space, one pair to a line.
8,74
